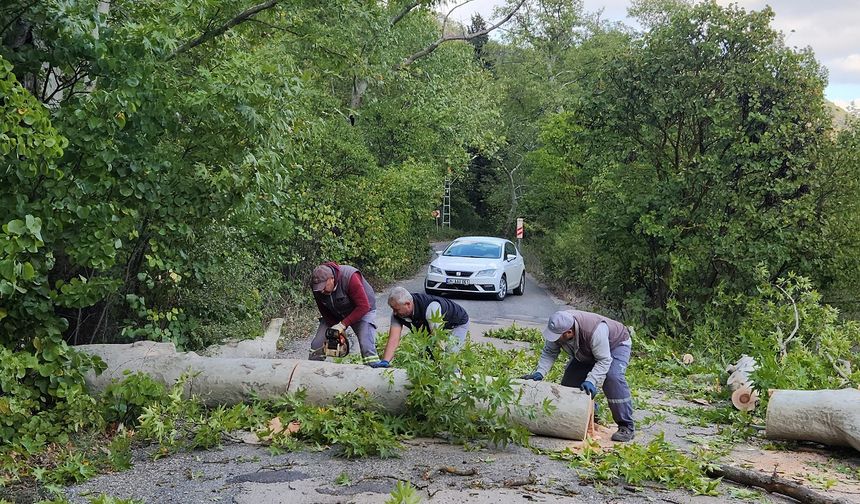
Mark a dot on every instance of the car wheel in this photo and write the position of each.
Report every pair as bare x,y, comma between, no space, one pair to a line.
503,289
521,288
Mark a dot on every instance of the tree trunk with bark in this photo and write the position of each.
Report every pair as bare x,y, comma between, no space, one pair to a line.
235,379
830,417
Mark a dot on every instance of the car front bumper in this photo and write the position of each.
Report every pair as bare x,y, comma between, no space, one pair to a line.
477,285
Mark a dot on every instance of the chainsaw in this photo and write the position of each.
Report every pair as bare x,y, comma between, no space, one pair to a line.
336,343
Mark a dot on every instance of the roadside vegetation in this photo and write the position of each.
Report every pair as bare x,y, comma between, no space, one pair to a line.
139,413
173,173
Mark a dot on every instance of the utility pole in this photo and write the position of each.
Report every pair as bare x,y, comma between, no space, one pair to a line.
446,202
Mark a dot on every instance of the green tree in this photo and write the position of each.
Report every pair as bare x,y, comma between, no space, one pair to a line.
479,26
41,379
172,173
698,157
838,202
535,76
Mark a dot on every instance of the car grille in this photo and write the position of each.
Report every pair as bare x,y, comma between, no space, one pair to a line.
459,287
461,274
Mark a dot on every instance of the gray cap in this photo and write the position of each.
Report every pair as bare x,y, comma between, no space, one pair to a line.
559,323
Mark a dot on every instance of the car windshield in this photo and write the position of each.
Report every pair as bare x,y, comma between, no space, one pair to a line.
474,249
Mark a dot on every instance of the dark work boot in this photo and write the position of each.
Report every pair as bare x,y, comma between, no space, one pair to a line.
624,434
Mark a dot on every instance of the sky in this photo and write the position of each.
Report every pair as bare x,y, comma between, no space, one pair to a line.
828,26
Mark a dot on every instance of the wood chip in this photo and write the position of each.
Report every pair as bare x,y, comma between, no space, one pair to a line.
512,483
458,472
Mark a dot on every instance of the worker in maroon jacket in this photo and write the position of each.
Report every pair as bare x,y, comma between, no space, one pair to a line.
344,299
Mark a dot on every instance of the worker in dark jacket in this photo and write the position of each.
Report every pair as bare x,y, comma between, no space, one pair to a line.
415,311
344,299
599,350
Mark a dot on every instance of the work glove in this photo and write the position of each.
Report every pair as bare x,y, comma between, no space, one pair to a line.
339,327
589,387
536,376
380,364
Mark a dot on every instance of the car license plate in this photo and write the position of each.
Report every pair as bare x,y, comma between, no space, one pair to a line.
461,281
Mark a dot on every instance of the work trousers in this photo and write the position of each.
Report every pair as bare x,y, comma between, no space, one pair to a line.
365,332
614,386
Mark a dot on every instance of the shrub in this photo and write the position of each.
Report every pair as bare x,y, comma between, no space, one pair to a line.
452,395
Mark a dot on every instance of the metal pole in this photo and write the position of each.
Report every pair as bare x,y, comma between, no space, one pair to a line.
446,203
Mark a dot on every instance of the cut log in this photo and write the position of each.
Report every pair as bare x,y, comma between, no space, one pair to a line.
745,398
830,417
219,380
744,395
774,484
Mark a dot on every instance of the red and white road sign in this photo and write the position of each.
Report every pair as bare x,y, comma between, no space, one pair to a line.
519,227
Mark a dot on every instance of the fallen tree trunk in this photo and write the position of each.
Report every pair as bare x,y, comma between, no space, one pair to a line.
830,417
264,347
774,484
219,380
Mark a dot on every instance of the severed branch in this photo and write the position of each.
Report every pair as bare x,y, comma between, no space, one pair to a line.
471,471
447,38
518,482
210,34
840,369
773,484
744,395
783,345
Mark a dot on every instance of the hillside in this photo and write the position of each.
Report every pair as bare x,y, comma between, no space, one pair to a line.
841,117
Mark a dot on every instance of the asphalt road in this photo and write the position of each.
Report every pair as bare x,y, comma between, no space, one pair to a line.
532,309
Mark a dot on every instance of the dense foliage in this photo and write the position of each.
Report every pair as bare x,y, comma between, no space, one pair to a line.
172,176
659,168
171,173
696,156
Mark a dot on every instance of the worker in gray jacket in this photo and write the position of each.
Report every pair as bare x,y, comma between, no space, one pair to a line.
599,350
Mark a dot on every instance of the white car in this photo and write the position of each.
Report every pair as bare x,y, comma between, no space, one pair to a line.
477,265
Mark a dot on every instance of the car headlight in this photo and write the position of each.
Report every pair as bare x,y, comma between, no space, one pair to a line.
435,270
486,272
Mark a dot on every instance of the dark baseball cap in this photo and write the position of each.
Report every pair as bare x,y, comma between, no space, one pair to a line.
320,276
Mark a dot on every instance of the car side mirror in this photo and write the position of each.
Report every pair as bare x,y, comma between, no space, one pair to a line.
510,257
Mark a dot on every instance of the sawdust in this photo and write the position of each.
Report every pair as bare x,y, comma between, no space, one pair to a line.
600,435
274,427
